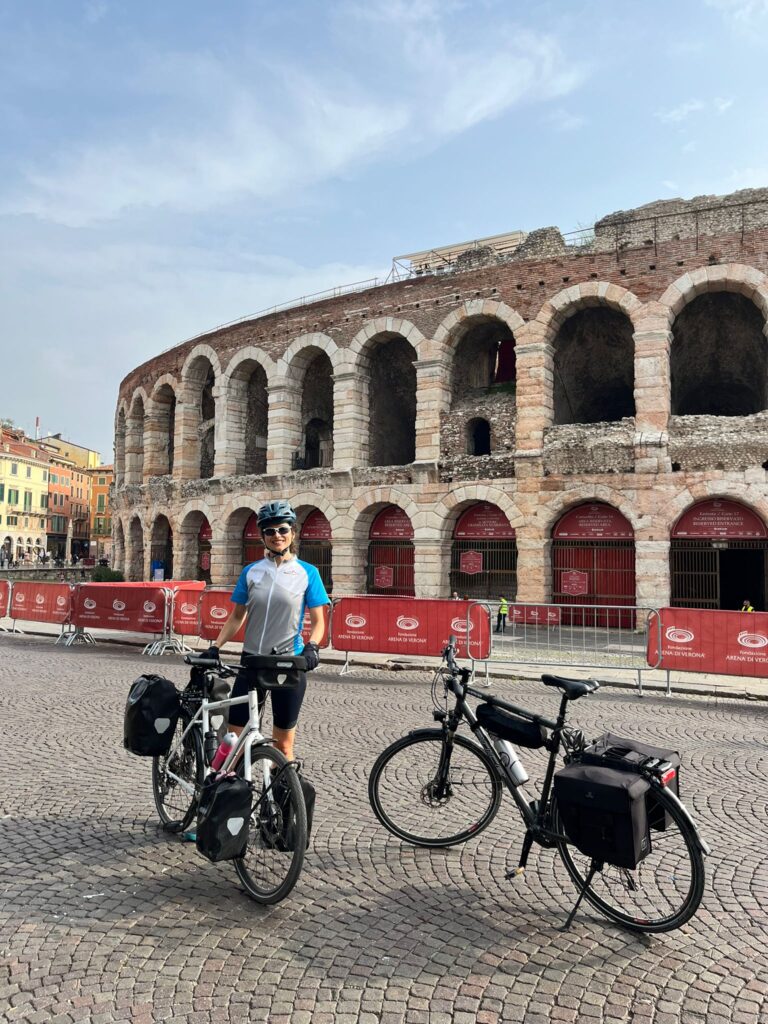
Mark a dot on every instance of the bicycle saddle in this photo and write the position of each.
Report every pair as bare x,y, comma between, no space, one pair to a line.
572,688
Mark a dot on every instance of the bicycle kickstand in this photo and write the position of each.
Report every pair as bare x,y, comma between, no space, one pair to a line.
520,869
594,867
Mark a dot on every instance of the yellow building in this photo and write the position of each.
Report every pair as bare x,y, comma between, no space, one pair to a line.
101,515
83,458
24,470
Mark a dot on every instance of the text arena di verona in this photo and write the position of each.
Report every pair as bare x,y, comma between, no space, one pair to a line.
551,419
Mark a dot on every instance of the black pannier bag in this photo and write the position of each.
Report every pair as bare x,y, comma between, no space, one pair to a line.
151,714
627,755
603,812
282,798
274,672
510,727
223,817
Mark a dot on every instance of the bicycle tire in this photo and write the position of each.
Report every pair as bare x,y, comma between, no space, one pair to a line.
389,797
673,873
176,806
277,834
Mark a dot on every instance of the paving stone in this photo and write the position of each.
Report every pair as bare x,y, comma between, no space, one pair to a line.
375,932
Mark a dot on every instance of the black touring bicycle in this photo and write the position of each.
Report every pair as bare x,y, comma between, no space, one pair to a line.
612,810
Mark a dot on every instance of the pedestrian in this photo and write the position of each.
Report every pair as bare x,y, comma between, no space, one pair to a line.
747,607
455,596
270,598
501,615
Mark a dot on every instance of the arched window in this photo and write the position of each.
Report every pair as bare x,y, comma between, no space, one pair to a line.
717,557
317,413
718,360
392,402
161,550
390,554
593,563
164,430
594,367
484,554
136,551
478,437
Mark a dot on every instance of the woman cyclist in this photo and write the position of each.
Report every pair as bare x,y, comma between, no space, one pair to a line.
270,597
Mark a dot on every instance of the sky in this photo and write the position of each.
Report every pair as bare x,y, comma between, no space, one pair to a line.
169,166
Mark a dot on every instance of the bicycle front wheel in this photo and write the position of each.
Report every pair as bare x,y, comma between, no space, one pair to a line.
665,889
177,778
277,835
431,793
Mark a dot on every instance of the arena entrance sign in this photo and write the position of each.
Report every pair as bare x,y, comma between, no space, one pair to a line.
253,549
717,557
593,563
484,554
204,552
390,554
315,546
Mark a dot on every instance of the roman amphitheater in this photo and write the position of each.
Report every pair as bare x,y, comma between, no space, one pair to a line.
576,418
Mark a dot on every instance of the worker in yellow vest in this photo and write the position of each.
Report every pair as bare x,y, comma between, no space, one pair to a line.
501,617
747,607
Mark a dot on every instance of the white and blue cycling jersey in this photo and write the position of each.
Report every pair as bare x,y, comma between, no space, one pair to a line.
275,598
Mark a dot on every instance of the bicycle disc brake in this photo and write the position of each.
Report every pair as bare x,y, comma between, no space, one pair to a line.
436,793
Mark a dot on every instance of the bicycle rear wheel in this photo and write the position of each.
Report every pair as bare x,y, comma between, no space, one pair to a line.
177,778
277,834
665,889
416,802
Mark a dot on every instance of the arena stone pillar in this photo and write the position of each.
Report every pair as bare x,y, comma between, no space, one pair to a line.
432,399
350,423
652,579
186,450
534,396
228,441
226,559
284,432
154,439
134,450
534,570
430,572
653,393
348,566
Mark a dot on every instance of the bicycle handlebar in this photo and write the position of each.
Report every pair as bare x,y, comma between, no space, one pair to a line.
211,664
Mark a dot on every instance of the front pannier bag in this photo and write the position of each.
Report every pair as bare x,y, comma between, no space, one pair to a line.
603,812
151,714
511,727
223,816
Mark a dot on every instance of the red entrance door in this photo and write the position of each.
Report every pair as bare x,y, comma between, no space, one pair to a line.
390,554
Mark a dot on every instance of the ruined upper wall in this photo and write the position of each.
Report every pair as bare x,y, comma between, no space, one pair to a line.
642,250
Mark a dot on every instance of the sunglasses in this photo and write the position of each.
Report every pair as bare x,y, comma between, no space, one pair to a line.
271,531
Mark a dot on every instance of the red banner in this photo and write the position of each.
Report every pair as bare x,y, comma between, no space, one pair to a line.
137,608
574,582
719,518
307,629
534,614
471,562
215,607
594,522
391,524
389,625
206,533
316,527
186,609
5,593
41,602
694,640
484,522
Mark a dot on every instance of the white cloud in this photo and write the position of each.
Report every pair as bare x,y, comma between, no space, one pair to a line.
741,11
241,128
722,104
679,113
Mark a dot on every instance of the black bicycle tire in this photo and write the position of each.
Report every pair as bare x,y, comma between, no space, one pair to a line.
291,778
433,736
179,824
692,899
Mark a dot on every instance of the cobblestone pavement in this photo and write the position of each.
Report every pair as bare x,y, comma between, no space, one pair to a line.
105,918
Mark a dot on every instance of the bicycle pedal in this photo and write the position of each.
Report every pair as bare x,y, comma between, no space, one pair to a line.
515,873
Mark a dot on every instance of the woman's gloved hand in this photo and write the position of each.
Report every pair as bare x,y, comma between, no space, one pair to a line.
213,653
311,655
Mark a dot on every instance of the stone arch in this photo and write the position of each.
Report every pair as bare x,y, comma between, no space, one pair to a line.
188,371
135,559
362,512
161,427
134,437
718,355
296,358
200,376
449,333
246,386
186,546
547,516
586,295
388,373
384,326
445,514
310,368
162,541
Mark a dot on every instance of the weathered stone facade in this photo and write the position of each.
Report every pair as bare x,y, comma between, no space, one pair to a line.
629,370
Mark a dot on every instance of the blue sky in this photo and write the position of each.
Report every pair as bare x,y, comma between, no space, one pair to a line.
168,166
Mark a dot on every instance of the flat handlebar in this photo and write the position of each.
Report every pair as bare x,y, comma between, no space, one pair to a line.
211,664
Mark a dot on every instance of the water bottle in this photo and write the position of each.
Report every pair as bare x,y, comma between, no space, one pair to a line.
223,751
510,760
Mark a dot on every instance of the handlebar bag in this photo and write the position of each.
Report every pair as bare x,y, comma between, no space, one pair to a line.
151,714
274,671
628,755
603,812
511,727
223,817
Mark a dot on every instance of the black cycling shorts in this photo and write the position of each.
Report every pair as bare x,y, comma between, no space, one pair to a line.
286,704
